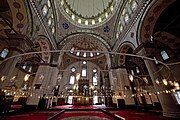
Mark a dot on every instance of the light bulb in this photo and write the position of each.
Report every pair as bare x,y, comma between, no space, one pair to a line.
165,82
176,84
157,81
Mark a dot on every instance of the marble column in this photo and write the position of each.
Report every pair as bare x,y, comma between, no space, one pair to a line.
44,83
169,106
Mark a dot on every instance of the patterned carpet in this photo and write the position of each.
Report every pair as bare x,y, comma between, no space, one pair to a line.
136,115
84,115
80,107
39,115
85,118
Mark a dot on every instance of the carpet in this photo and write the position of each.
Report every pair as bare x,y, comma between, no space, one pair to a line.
136,115
39,115
84,115
80,107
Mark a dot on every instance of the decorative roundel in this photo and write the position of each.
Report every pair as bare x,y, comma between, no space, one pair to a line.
106,29
65,25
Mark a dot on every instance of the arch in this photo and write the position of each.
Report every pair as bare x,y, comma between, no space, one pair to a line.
150,17
124,47
45,46
99,39
88,32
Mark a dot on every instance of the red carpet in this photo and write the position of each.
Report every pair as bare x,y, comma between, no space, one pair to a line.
80,107
135,115
84,115
40,115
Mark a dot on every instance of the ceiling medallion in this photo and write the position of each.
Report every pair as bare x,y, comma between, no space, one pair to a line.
88,13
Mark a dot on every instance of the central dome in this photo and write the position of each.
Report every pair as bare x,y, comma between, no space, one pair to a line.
88,12
88,8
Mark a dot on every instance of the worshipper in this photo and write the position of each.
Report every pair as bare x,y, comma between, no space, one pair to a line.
6,105
42,103
49,103
2,101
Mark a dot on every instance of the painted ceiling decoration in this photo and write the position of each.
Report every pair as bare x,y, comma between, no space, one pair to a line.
151,18
19,16
84,42
88,13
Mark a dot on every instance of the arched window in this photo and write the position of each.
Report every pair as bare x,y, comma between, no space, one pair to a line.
137,70
94,77
30,69
84,72
53,30
45,10
95,80
134,5
49,3
121,28
72,49
4,53
164,55
91,54
126,18
25,65
49,21
84,55
72,80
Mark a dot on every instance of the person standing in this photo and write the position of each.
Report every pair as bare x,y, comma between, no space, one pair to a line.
49,104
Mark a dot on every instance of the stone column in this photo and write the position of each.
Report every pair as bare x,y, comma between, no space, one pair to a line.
122,81
107,89
44,83
170,108
8,69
